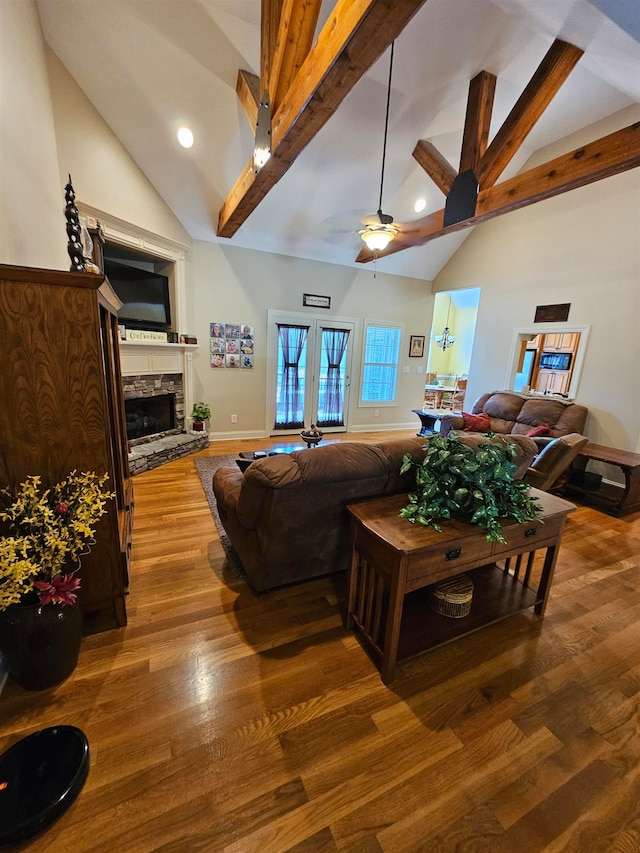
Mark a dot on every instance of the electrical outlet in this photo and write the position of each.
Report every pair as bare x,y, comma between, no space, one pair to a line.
376,412
234,419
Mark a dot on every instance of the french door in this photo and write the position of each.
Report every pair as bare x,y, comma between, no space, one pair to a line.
310,382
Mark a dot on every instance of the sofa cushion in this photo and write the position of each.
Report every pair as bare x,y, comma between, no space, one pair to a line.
476,423
561,416
394,451
503,410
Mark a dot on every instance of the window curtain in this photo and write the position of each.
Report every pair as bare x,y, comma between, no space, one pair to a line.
334,342
289,411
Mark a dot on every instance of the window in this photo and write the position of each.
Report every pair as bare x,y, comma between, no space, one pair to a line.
380,364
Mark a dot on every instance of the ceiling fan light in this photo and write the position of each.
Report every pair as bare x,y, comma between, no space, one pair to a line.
378,237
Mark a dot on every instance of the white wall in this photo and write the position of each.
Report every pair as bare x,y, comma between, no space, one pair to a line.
48,128
238,285
32,223
582,247
103,173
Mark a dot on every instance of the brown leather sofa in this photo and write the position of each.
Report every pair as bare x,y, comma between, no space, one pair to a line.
511,413
285,516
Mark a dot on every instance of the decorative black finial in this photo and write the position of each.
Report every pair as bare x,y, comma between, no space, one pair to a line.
74,246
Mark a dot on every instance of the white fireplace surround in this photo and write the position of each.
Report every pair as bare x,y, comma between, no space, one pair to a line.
152,358
155,359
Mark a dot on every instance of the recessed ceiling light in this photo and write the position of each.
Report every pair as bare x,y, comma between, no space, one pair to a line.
420,205
185,137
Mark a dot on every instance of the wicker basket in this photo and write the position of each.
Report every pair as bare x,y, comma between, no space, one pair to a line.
452,597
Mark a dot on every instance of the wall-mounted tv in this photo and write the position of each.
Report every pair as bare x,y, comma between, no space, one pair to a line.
144,295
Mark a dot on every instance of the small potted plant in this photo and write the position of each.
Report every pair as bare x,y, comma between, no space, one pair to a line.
201,412
475,485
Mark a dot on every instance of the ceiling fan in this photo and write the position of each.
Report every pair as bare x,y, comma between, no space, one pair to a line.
379,228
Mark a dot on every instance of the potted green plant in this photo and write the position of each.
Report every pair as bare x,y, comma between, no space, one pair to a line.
201,412
43,535
454,479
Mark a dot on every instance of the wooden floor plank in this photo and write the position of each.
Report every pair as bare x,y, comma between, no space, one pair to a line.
222,720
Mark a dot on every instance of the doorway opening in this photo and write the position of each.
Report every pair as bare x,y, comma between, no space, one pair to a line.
455,313
547,360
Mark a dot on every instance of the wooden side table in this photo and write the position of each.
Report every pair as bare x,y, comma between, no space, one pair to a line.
394,561
615,500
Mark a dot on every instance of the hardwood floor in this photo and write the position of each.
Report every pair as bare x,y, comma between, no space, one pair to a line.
219,720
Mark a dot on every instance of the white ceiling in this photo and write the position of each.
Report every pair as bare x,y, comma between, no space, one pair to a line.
150,66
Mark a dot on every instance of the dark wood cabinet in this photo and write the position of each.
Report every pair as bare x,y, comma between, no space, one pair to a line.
62,409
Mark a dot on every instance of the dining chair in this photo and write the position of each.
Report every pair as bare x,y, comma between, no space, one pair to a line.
430,396
458,397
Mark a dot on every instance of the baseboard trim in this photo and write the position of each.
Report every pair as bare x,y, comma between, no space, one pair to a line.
237,436
384,427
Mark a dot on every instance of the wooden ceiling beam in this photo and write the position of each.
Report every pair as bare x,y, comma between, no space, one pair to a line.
248,92
435,165
269,25
478,120
615,153
298,21
554,69
357,33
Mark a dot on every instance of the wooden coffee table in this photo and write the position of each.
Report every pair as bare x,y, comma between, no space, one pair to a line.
246,457
394,561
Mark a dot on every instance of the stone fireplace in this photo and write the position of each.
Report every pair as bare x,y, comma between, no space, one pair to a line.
154,405
154,408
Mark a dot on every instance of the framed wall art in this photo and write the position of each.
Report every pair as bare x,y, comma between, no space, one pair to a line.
416,346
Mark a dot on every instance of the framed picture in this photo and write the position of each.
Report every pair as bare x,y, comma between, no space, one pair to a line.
416,346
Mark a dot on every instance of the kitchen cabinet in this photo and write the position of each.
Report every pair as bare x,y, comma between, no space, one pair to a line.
561,342
553,381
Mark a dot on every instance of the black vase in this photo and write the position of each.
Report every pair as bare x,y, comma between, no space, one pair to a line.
40,643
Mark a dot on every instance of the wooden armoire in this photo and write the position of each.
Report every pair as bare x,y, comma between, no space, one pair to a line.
61,408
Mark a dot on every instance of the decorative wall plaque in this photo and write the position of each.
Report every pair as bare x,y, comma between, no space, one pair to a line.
312,300
552,313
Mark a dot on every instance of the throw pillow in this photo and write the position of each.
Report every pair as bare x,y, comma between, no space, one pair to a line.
542,429
476,423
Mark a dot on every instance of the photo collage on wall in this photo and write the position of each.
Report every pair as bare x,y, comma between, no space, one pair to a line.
231,345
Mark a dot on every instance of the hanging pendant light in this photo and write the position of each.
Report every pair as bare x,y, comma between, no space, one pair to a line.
378,235
446,339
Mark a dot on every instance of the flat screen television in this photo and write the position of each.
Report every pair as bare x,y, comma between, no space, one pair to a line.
144,296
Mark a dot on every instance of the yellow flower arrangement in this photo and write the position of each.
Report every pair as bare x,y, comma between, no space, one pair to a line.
43,534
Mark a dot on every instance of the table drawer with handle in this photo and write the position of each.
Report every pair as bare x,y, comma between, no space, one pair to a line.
446,560
530,535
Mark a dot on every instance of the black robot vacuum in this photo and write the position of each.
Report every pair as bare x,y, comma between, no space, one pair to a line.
40,777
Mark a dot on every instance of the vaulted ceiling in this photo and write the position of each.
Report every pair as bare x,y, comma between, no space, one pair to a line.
150,67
